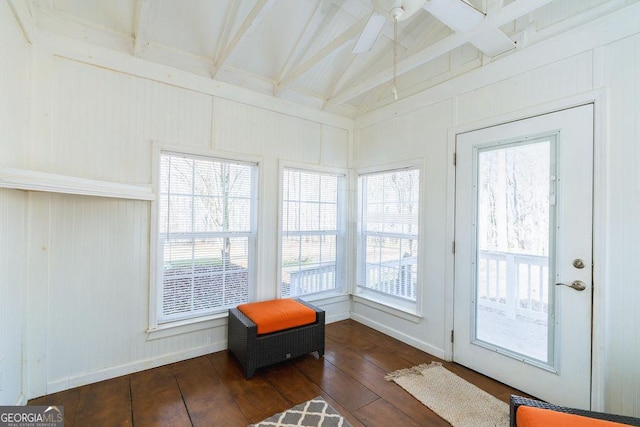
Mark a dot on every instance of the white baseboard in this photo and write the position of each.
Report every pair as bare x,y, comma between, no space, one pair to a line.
130,368
337,318
428,348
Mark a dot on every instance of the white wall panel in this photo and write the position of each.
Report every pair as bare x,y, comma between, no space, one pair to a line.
420,135
14,135
243,128
622,287
103,122
405,137
12,293
334,147
15,90
98,279
556,81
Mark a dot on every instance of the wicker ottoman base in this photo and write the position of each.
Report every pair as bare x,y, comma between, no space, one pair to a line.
256,351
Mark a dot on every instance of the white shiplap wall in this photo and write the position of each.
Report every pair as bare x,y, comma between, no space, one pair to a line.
103,122
420,135
622,285
603,57
94,302
15,88
14,131
12,294
90,255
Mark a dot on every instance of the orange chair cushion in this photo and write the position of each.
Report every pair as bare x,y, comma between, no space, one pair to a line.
527,416
278,314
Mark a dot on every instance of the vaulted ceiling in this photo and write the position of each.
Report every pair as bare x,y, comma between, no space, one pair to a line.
302,50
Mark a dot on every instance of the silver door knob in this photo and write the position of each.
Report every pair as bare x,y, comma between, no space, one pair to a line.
578,263
578,285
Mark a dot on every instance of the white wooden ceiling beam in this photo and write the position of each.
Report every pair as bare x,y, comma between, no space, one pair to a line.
141,27
229,17
296,46
339,82
323,53
21,12
507,14
254,17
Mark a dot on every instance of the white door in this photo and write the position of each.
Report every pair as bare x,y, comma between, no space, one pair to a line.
523,237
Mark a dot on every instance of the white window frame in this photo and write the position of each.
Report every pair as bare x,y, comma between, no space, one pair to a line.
157,329
341,285
409,310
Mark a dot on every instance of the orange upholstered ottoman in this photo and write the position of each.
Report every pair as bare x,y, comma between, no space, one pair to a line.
526,412
278,314
268,332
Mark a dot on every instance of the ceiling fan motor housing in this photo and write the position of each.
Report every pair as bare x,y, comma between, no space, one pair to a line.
397,9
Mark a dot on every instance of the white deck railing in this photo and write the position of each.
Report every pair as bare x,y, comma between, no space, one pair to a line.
313,279
514,283
397,277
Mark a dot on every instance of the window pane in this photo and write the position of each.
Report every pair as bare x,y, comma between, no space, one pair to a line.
310,230
203,217
310,185
309,216
329,188
204,274
202,202
513,244
205,178
328,217
180,176
389,224
179,214
290,216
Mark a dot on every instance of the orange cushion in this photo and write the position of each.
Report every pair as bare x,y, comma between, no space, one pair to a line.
527,416
278,314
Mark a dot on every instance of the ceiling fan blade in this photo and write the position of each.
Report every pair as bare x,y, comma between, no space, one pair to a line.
455,14
370,33
493,42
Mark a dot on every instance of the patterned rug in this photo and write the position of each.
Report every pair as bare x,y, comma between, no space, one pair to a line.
459,402
314,413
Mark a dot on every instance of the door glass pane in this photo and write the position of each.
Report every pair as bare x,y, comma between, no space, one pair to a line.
514,249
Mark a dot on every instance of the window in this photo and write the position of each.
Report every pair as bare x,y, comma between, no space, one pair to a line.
206,235
312,232
388,240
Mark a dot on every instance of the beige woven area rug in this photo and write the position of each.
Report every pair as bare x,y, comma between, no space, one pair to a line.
459,402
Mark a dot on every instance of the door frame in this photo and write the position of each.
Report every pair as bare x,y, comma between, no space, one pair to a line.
600,239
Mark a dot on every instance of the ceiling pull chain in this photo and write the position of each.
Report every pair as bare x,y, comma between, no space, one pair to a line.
394,90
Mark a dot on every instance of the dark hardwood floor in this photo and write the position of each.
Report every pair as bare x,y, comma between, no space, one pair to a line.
212,391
